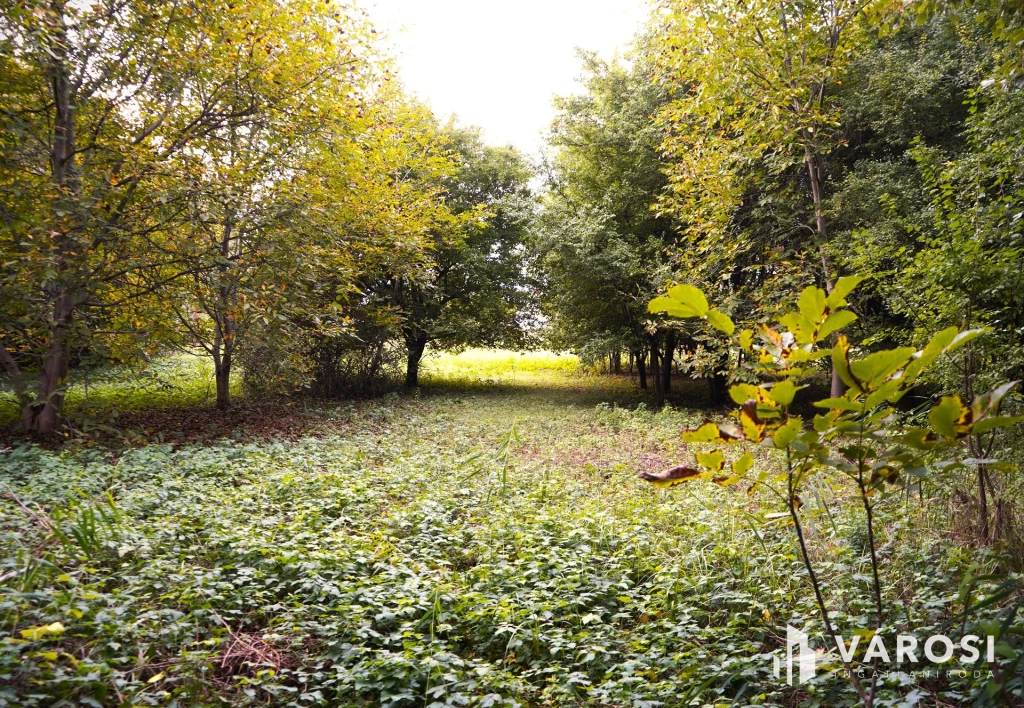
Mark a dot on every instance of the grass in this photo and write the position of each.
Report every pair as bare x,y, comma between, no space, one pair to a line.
483,542
98,397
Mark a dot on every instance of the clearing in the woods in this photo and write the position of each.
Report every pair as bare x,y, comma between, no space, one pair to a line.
485,541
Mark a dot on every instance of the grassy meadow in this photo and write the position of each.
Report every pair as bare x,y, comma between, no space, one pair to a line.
484,542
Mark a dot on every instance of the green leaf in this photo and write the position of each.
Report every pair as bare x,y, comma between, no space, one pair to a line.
942,342
812,303
690,296
843,287
841,363
948,417
721,322
671,307
876,368
746,339
787,433
996,421
835,322
712,432
743,392
743,465
843,404
713,461
783,392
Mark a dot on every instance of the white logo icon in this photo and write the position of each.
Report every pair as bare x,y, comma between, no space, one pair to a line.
804,658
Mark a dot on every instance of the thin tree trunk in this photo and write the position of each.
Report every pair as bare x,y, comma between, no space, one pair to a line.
666,360
224,340
617,361
817,180
641,367
659,393
415,346
43,415
222,374
717,388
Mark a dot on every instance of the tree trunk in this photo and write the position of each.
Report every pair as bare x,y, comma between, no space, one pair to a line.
667,359
659,392
415,346
43,414
641,367
224,339
717,389
617,361
222,374
223,348
817,179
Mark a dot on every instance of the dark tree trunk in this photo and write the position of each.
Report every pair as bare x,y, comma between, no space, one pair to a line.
222,374
717,389
666,361
224,339
414,345
617,361
641,367
659,391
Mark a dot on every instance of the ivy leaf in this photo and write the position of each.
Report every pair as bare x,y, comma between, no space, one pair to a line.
43,630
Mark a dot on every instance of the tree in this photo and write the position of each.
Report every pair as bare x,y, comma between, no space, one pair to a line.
474,291
602,249
756,94
101,104
257,209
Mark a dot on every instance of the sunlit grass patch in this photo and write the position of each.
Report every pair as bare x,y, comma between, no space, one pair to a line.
499,364
177,381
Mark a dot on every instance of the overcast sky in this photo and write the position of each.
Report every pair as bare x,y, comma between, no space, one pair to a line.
497,63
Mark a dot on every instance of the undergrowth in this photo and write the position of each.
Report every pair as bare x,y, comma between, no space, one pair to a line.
475,545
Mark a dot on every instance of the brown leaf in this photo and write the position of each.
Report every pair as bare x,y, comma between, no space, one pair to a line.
671,476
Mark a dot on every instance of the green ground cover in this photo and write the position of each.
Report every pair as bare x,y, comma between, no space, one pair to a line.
484,542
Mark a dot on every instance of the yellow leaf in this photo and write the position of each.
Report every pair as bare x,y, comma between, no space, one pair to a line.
42,631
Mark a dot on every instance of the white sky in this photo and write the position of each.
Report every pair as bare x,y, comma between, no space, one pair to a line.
497,63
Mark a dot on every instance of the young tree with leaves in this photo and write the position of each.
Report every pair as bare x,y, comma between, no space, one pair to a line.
756,95
603,252
474,292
